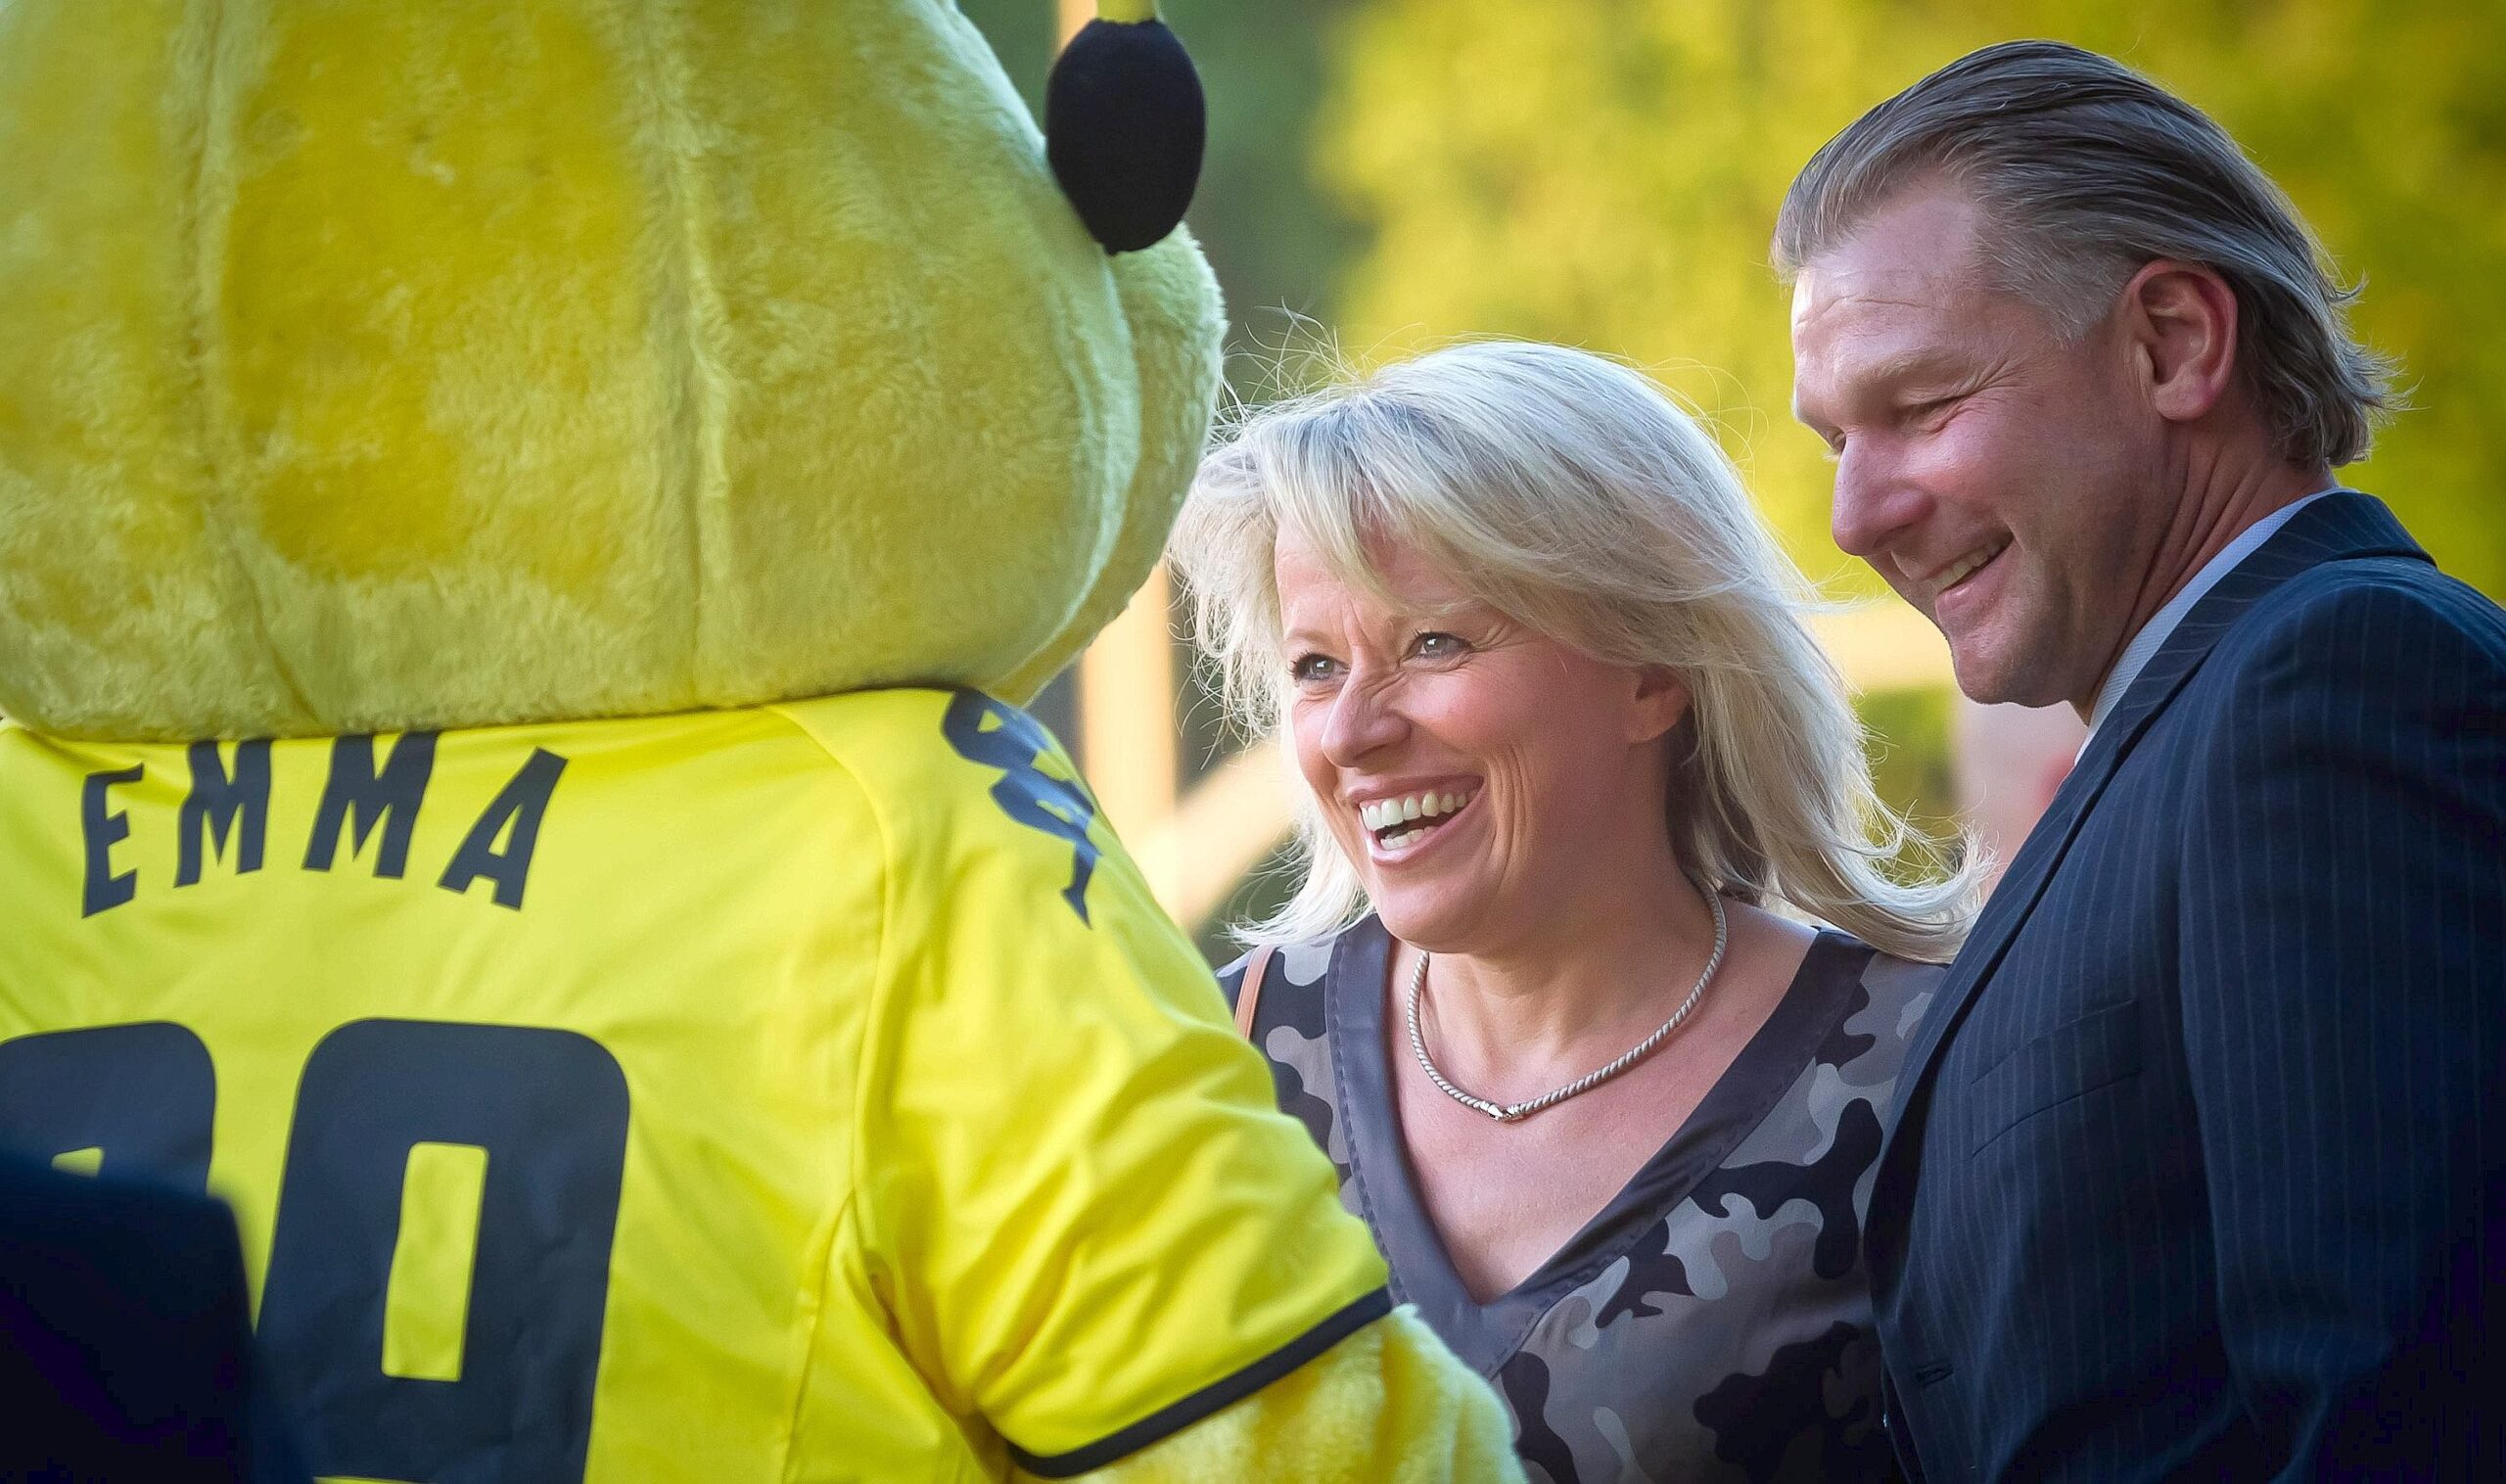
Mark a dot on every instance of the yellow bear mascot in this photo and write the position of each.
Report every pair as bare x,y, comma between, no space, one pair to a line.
513,519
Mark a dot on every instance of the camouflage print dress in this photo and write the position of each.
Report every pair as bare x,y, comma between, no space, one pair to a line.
1713,1321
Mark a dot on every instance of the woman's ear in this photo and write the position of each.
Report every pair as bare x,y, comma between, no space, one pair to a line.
1660,701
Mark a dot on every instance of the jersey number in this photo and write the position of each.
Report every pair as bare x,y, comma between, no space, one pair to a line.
549,1110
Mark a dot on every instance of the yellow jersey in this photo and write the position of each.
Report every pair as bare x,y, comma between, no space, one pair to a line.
812,1091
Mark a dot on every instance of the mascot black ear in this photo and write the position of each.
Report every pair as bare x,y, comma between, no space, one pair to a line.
1124,125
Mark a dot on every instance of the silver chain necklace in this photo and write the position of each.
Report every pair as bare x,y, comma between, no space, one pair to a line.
1505,1113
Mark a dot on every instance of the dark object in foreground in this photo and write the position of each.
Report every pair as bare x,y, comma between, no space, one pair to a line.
124,1347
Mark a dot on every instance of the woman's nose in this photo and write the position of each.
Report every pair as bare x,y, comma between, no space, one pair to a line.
1364,719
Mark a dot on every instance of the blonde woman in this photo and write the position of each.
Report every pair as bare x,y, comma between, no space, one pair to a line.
1574,775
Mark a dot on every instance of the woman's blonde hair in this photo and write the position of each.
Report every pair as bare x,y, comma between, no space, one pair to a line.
1567,491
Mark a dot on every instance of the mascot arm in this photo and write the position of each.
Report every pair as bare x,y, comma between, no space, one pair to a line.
1390,1405
1091,1225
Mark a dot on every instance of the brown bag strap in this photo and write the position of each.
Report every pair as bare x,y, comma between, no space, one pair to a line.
1249,996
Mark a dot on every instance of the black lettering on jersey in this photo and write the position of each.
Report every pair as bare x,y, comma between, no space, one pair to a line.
551,1110
235,804
360,797
231,806
103,828
143,1095
998,736
522,804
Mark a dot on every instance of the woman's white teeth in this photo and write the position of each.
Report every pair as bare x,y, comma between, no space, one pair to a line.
1381,814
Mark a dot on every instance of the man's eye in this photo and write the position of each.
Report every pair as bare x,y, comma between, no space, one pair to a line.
1438,646
1306,670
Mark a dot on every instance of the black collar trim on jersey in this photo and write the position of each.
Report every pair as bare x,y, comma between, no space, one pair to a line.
1169,1420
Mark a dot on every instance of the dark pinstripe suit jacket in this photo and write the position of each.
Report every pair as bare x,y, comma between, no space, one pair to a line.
2197,1158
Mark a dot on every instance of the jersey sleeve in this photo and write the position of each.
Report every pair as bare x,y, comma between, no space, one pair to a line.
1393,1406
1091,1223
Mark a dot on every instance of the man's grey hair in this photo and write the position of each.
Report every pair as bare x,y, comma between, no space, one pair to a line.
2086,171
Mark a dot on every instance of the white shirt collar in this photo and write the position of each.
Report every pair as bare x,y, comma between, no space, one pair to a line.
2155,633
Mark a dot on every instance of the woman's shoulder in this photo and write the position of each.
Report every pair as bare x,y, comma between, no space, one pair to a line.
1902,981
1884,1001
1302,964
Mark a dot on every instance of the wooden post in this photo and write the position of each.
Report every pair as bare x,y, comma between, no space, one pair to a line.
1127,741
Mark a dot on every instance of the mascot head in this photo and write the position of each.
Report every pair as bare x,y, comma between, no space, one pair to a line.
384,365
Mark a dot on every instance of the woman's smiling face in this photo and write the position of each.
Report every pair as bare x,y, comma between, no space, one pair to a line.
1478,776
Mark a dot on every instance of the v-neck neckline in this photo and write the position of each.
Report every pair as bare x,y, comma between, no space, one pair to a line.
1487,1334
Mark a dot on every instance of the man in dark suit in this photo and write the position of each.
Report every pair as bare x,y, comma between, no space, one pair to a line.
2197,1158
123,1348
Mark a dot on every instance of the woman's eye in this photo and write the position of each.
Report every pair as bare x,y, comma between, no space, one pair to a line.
1306,670
1438,646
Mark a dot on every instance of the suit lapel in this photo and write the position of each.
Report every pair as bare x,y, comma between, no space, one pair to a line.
2340,526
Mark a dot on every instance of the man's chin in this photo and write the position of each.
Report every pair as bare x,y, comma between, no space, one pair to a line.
1990,675
1974,664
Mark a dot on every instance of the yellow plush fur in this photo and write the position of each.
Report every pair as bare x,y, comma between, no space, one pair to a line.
374,364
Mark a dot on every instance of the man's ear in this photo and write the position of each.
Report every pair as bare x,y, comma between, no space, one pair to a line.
2182,319
1662,700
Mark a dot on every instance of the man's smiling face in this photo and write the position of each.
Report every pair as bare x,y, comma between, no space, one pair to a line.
2003,476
